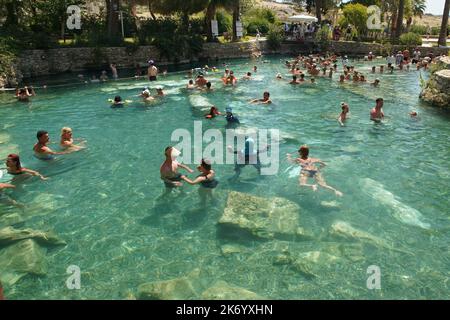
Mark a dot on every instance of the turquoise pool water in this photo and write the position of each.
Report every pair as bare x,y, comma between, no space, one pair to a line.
105,200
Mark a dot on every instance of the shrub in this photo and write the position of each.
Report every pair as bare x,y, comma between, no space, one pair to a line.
275,37
224,21
411,39
260,19
419,29
257,23
323,37
356,15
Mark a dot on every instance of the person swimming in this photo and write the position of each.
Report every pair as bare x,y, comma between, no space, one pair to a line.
169,168
213,113
24,94
264,100
146,97
309,170
15,168
41,151
117,103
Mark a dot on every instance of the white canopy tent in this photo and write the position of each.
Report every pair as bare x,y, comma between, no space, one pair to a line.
301,18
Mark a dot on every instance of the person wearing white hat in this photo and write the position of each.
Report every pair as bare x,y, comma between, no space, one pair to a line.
152,71
169,168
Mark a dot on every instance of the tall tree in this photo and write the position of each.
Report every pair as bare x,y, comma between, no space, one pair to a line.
399,27
213,5
112,18
444,25
236,17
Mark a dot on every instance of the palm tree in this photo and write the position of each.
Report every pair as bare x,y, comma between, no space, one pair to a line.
444,26
398,30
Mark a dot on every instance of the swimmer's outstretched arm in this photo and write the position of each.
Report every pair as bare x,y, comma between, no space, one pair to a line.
34,173
290,159
6,185
196,181
185,167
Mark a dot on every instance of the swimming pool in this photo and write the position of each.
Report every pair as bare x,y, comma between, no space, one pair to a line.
106,202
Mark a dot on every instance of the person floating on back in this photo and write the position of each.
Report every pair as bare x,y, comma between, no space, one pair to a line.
309,170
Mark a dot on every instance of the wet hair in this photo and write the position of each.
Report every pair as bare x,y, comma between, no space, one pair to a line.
249,74
167,149
65,130
117,99
206,164
191,81
266,92
208,84
302,76
304,151
40,133
22,91
15,158
379,100
294,78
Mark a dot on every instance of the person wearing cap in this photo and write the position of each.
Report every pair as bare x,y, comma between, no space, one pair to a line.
343,116
152,71
231,119
201,81
146,97
247,156
169,168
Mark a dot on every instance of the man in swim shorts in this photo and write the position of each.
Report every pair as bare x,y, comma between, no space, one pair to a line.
41,151
168,169
152,71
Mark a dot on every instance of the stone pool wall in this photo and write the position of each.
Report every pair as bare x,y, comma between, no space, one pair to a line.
437,90
32,63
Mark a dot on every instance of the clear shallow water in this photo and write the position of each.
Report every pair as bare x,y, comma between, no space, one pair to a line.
103,200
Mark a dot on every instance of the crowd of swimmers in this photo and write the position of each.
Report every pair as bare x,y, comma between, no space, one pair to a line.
312,66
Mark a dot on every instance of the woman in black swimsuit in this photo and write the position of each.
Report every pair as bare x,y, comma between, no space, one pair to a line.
15,168
206,179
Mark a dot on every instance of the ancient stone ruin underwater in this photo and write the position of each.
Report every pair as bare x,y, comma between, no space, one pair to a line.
103,209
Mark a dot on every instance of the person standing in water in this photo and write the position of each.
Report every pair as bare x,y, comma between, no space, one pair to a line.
377,114
343,116
169,168
67,141
41,151
309,170
206,179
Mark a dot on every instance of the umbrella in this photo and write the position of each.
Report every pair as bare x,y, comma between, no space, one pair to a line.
302,18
